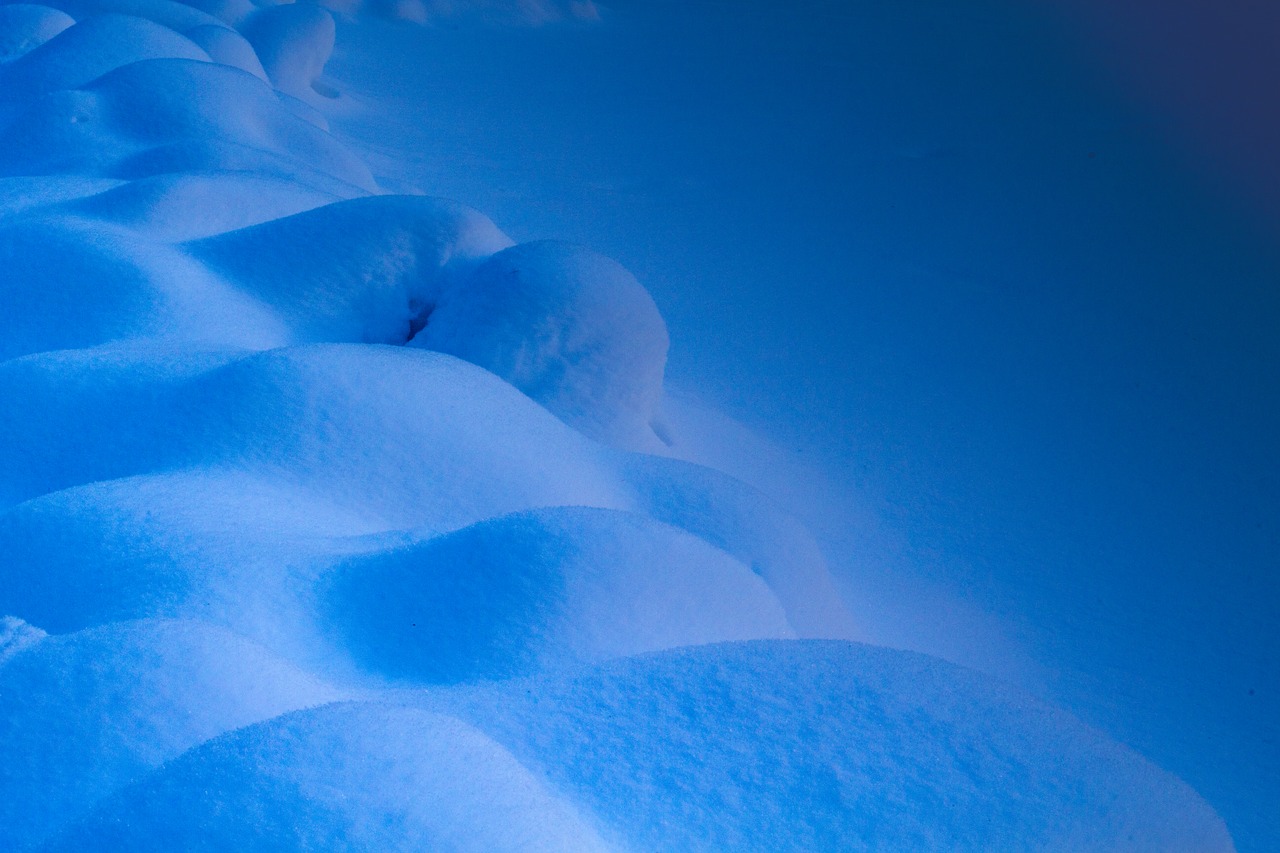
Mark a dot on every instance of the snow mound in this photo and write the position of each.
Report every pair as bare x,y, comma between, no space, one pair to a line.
189,206
751,527
301,415
293,42
365,270
169,115
233,12
88,50
549,587
342,777
85,713
570,328
25,27
160,546
69,285
825,746
309,580
228,47
178,17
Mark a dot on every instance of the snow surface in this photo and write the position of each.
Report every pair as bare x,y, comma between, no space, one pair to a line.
333,518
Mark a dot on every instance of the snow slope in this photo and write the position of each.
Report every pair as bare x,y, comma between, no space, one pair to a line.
333,518
1022,344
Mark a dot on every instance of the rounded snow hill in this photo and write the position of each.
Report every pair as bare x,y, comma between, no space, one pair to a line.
454,444
345,777
188,206
806,745
570,328
240,551
84,714
364,270
228,47
750,526
540,589
177,16
24,27
38,193
91,48
69,283
293,41
96,414
219,117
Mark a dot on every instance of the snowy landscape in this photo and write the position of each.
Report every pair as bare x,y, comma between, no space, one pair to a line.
530,425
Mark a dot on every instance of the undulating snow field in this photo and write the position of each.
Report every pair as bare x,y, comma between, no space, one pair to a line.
373,473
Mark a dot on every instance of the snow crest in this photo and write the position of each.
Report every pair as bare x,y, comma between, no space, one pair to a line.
351,528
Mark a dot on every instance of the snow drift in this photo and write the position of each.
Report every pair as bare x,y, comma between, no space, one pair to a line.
230,496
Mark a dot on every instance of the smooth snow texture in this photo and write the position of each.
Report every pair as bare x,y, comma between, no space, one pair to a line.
177,16
228,47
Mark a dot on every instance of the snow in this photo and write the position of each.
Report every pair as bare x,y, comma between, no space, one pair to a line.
293,42
26,27
169,115
82,714
16,635
572,329
405,251
820,745
228,47
541,589
333,517
86,51
188,206
342,777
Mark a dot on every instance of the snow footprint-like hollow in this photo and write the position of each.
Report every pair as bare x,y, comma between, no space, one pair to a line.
570,328
343,777
542,588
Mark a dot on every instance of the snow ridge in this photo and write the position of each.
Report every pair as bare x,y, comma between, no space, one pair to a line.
355,526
